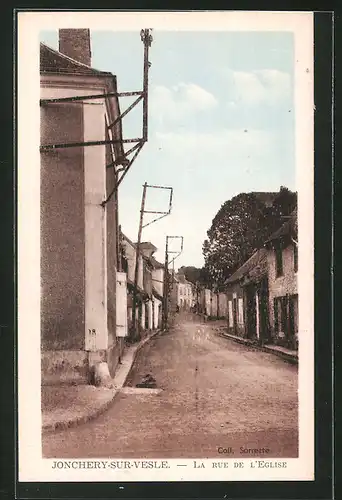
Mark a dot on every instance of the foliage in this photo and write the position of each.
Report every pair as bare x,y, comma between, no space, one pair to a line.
194,274
242,225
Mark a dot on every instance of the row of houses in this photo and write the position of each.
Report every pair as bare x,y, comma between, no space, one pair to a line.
150,286
262,294
260,301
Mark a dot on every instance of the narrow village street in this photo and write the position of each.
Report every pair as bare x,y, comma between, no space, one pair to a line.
211,394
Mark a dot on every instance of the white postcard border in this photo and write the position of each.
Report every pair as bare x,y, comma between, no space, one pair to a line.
32,467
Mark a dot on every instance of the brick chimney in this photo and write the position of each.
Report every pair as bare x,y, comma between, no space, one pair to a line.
75,43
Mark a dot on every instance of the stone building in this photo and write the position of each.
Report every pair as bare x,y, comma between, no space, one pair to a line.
247,295
80,282
282,260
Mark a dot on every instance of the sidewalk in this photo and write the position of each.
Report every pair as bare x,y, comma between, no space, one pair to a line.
66,406
286,354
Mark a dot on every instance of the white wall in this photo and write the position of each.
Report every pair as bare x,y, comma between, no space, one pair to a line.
157,302
158,280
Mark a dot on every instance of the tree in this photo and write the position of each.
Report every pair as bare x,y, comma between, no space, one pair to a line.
242,225
195,274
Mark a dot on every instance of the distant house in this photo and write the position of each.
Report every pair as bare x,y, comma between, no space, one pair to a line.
80,282
247,295
204,299
157,291
147,249
213,304
149,286
128,266
282,261
184,295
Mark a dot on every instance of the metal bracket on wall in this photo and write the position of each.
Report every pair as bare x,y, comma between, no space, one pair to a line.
125,161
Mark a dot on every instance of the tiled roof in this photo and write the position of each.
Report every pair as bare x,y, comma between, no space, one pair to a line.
156,264
289,228
52,61
147,245
254,268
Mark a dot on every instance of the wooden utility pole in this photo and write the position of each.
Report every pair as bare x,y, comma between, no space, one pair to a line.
147,39
166,276
136,270
166,285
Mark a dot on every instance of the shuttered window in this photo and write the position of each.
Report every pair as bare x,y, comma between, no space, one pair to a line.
295,257
279,260
230,314
121,305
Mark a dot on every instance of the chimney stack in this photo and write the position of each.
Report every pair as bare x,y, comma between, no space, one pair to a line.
75,43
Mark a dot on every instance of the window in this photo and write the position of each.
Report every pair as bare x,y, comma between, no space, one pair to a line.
279,261
295,257
124,265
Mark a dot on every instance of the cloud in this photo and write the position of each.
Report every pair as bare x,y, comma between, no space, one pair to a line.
180,101
225,143
268,86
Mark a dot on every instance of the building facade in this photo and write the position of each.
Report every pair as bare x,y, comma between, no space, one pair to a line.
158,292
183,293
282,259
150,286
79,233
247,295
212,304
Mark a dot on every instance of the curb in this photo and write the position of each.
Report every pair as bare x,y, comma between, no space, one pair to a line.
74,422
283,355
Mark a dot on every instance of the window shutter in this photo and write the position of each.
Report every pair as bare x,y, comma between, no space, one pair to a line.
121,304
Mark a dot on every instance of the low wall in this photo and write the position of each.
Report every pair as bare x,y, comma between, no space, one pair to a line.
75,367
64,367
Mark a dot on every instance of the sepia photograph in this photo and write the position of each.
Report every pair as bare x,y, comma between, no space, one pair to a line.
173,246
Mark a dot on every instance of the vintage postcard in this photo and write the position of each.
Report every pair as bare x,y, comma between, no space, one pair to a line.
165,232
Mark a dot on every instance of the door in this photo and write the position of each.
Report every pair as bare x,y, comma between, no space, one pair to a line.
263,313
235,315
159,315
293,319
251,312
146,315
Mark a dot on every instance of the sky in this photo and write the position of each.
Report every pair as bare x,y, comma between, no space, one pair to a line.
221,122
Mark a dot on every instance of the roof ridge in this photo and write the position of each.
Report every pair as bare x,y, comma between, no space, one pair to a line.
244,266
73,61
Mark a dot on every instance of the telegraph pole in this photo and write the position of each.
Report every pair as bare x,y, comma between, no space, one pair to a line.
147,39
166,285
136,270
166,276
160,215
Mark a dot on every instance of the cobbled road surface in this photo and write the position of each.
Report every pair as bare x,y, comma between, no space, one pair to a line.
214,395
